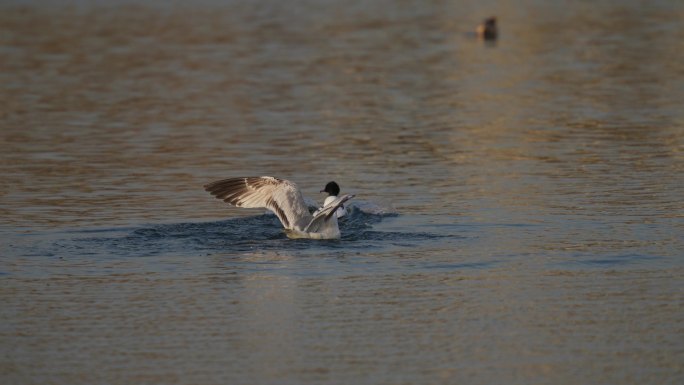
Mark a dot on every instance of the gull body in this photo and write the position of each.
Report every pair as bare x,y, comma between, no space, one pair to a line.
285,200
333,190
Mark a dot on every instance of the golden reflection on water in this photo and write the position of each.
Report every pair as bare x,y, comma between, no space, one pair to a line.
118,116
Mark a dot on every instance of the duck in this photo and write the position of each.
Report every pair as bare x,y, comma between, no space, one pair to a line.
285,200
487,30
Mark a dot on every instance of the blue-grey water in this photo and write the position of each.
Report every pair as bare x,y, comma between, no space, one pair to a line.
519,212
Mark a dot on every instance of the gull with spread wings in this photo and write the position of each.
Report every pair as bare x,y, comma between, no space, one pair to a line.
285,200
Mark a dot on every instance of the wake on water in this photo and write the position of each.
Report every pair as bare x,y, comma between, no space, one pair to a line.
234,235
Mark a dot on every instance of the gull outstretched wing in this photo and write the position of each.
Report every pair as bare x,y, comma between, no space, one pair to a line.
278,195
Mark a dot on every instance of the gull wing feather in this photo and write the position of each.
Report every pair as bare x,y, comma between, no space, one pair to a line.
324,215
280,196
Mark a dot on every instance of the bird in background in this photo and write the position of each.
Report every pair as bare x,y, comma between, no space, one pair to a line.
487,30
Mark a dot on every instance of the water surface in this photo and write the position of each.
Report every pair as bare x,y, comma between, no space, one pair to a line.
519,211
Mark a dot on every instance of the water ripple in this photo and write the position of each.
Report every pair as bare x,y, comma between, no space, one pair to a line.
239,235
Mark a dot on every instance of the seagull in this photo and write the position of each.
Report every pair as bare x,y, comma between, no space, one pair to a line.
333,189
284,199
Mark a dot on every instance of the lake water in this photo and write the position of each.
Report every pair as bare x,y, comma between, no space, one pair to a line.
519,212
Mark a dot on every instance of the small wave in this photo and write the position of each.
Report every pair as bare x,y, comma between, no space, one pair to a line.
613,260
372,208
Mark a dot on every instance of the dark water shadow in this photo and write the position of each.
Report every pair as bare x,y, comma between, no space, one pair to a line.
238,235
611,261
